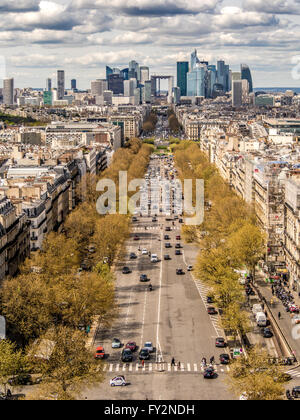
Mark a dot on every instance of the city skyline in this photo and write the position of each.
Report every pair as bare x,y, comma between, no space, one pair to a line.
81,37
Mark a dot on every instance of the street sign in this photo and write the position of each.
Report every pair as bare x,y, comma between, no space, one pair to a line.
2,328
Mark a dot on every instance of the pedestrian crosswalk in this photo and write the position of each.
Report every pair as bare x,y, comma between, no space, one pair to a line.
161,367
158,228
295,373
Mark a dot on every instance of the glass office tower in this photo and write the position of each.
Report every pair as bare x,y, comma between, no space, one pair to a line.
182,71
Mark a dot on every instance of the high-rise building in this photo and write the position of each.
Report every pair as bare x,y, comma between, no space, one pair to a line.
194,60
144,74
134,70
246,74
137,96
116,84
147,92
60,84
182,71
8,91
236,75
98,87
237,93
73,84
47,97
107,97
124,73
211,79
48,85
129,86
176,95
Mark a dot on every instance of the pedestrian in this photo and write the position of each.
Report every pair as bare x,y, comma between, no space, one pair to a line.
143,363
173,362
212,360
178,364
279,315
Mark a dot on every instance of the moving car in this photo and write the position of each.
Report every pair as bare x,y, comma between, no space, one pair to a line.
133,256
154,219
144,251
179,272
126,270
154,258
131,345
118,381
166,237
134,219
116,343
167,257
224,359
178,246
212,311
148,345
177,252
210,299
190,268
136,238
144,278
178,238
168,229
127,356
220,342
100,353
144,354
168,245
267,333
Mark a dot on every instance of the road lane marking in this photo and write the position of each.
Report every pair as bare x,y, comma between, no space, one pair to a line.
159,303
150,367
130,368
188,367
169,367
117,367
137,367
111,367
195,367
104,368
124,368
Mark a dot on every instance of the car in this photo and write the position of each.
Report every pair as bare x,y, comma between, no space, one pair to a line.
180,220
154,219
144,278
167,257
154,258
179,272
209,373
267,333
177,252
168,229
224,359
127,355
166,237
178,238
136,238
100,353
118,381
134,219
148,345
131,345
144,354
210,299
133,256
190,268
220,342
168,245
116,344
212,311
22,379
126,270
177,246
144,251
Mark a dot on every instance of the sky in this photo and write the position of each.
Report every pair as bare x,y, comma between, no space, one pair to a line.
82,36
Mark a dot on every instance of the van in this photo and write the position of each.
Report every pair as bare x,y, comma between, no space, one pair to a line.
257,308
154,258
261,319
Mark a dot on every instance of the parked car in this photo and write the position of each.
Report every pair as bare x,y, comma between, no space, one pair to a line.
267,333
168,245
220,342
212,311
167,257
118,381
178,238
166,237
190,268
178,246
144,354
148,345
133,256
210,299
131,345
144,278
144,251
179,272
116,343
22,379
224,359
127,355
100,353
136,238
177,252
126,270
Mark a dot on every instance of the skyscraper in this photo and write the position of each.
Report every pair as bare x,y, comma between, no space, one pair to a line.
194,60
237,93
129,86
109,71
246,74
182,71
98,87
60,84
144,74
134,70
116,84
124,73
196,81
147,92
48,85
8,91
211,79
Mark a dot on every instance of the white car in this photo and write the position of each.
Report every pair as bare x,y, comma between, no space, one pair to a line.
154,258
149,346
118,381
190,268
144,251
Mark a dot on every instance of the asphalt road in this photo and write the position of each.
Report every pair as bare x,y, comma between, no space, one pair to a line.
173,317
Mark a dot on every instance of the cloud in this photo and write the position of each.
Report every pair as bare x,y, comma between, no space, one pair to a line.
273,6
234,17
18,6
149,7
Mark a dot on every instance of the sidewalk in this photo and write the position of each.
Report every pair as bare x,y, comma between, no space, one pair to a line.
285,323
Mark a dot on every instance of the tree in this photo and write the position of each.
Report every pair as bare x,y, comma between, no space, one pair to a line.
12,362
236,320
256,377
69,368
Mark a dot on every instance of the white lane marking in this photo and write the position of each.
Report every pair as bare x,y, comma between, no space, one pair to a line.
130,368
117,367
195,367
137,367
104,368
188,367
111,367
158,347
144,316
150,367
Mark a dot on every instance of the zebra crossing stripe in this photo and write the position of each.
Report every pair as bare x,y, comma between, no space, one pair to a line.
182,367
124,368
169,367
150,367
137,367
175,368
195,367
111,367
130,368
189,367
104,368
117,367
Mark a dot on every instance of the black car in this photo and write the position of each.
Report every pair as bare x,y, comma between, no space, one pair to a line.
224,359
210,299
133,256
154,219
166,237
126,270
144,354
179,272
220,342
168,245
134,219
180,220
127,356
167,257
168,229
267,333
177,246
177,252
209,373
143,278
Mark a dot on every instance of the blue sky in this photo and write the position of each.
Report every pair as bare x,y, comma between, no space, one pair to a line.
81,36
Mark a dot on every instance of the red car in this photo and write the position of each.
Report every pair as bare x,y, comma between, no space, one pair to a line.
131,345
178,238
100,353
212,311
